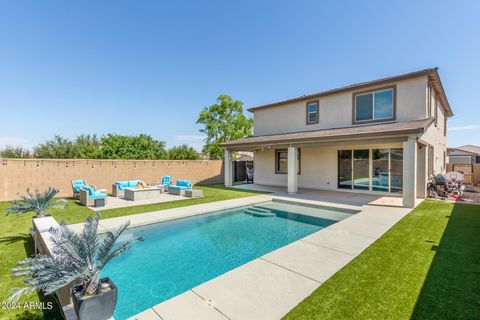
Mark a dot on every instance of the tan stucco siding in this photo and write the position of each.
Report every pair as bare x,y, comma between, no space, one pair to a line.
336,110
435,136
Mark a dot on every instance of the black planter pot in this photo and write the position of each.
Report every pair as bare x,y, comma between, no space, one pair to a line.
98,307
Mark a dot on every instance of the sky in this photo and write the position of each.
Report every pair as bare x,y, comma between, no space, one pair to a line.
130,67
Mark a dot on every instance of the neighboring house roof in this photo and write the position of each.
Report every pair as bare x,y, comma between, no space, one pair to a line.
470,148
432,74
359,131
244,156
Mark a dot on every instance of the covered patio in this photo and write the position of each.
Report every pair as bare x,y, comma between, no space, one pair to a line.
383,164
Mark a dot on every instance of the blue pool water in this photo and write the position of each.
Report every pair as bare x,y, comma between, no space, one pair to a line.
179,255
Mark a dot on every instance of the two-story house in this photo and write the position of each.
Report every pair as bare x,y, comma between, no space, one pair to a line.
383,136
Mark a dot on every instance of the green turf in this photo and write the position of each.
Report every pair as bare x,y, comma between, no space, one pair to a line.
16,244
426,267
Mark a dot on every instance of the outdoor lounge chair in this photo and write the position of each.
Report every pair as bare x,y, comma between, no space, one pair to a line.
180,187
166,181
76,186
88,195
118,188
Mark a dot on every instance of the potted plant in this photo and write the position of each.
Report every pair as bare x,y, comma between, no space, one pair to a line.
77,259
38,202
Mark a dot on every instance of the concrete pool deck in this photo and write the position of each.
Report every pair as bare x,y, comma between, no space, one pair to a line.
270,286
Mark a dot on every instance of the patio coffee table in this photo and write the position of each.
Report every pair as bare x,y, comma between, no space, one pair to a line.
134,194
194,193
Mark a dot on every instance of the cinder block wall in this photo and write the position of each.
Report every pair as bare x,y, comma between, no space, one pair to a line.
16,175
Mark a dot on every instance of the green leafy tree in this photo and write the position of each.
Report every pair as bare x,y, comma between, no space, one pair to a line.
223,121
57,148
142,147
87,146
15,152
183,152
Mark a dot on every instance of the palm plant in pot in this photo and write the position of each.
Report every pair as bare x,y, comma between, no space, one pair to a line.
37,202
77,260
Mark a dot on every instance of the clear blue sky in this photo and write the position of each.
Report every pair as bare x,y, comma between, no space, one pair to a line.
129,67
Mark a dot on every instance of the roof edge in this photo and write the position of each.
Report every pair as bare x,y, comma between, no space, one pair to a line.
360,85
421,129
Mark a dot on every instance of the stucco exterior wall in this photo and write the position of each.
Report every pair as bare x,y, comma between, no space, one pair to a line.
436,137
319,168
336,110
16,175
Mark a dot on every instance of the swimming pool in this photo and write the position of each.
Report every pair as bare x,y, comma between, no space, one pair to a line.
181,254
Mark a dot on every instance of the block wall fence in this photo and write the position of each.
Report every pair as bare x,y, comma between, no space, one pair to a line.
16,175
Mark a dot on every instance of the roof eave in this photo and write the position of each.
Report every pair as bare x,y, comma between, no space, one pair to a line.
357,86
322,139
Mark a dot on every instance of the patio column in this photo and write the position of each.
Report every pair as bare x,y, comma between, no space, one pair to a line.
292,170
410,172
228,167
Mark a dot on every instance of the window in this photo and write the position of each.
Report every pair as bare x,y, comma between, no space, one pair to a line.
445,125
435,106
312,112
374,106
429,102
281,161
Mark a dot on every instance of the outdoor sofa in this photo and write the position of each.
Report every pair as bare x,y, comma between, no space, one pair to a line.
118,188
180,187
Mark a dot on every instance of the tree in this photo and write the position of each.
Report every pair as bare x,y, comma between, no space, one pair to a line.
87,146
182,152
57,148
15,152
141,147
223,121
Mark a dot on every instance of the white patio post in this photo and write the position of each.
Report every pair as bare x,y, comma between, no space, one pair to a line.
292,170
410,172
228,174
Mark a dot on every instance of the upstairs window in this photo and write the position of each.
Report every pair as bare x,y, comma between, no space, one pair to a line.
373,106
312,112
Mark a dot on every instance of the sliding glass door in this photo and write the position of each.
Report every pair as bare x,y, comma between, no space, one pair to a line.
396,170
371,169
361,170
380,172
345,169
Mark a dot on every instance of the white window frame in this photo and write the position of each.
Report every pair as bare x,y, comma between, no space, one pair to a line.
373,92
316,112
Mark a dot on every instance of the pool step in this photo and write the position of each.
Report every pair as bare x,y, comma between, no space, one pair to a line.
259,212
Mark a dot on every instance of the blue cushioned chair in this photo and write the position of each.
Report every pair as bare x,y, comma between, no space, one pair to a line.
88,194
166,181
76,186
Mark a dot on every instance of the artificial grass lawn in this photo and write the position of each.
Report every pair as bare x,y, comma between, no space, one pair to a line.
426,267
16,243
